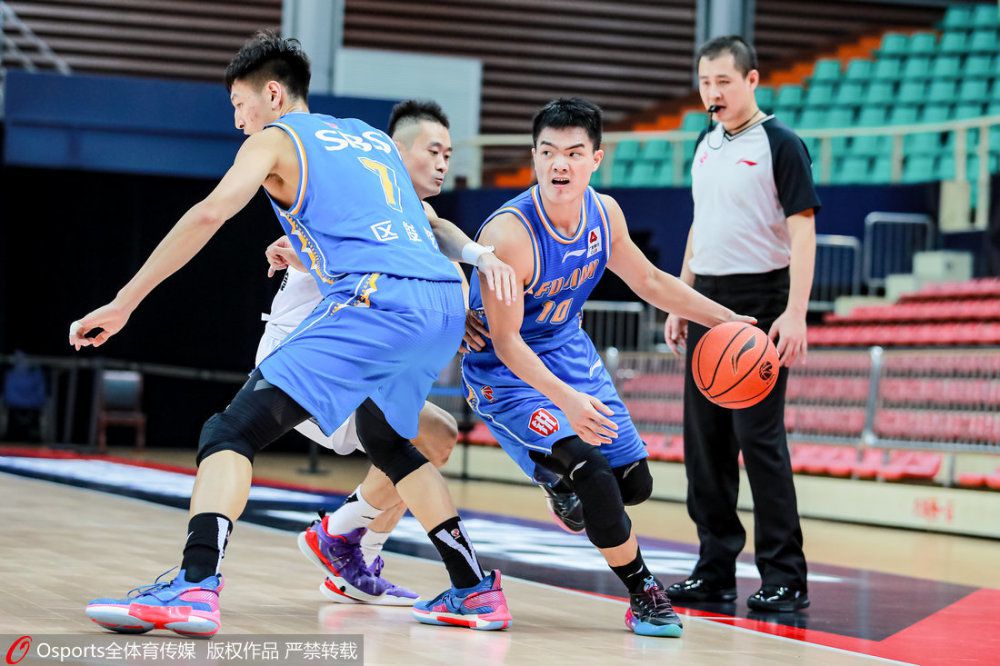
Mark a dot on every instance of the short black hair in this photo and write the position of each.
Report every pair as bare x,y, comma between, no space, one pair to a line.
569,112
269,57
744,55
415,110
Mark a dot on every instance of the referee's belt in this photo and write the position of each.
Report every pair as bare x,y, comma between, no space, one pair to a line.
743,280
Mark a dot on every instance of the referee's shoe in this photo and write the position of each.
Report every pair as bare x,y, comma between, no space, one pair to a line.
778,598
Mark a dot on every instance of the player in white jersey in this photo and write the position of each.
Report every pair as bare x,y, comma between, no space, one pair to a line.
358,529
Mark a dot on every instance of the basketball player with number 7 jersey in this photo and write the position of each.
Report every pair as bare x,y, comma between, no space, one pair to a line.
538,382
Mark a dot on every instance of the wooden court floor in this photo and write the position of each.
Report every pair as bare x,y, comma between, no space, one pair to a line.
64,545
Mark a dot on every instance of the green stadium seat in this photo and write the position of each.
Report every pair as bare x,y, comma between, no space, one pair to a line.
928,143
894,44
859,70
935,113
870,146
626,151
887,69
852,169
903,115
819,94
620,174
983,41
919,169
985,16
872,116
826,69
694,121
840,118
789,95
812,118
922,43
996,67
765,97
812,145
788,115
978,66
945,168
664,175
881,170
850,94
643,175
994,108
946,67
941,92
974,90
968,110
880,93
957,18
954,43
912,93
916,67
656,150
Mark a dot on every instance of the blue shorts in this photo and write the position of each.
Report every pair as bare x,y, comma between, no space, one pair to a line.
373,336
524,420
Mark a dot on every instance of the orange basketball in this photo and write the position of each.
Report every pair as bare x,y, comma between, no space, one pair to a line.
735,365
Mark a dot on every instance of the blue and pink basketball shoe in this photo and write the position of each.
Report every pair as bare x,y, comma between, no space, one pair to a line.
482,607
188,609
650,612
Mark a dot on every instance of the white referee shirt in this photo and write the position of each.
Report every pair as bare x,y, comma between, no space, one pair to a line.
745,186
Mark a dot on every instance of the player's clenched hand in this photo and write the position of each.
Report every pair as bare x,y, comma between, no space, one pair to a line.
106,320
280,256
589,418
675,333
500,277
475,332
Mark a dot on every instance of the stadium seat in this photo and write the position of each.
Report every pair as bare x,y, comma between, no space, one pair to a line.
903,115
887,69
983,41
853,169
894,44
872,116
656,150
812,118
859,70
789,96
826,69
970,480
620,173
819,95
627,151
977,66
694,121
881,170
922,43
946,67
953,42
912,93
958,18
928,143
941,92
850,94
985,15
935,113
879,93
870,146
916,67
765,97
840,118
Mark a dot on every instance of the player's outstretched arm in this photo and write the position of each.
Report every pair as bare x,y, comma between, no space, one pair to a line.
585,413
457,246
255,160
654,286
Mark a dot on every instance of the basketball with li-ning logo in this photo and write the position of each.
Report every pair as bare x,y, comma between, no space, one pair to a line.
735,365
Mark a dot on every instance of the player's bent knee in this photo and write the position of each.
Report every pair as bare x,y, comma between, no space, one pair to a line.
635,482
220,434
388,450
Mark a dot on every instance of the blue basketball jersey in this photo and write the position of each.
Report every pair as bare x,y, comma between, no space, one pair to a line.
566,269
355,211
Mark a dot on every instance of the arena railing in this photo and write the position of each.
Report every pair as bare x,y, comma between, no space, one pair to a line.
896,133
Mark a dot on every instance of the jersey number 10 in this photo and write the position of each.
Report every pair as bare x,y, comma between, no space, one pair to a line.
557,312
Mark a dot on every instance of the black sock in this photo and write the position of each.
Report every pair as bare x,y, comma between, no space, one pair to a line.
208,534
457,553
634,575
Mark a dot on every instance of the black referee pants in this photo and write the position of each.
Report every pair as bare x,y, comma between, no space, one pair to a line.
714,437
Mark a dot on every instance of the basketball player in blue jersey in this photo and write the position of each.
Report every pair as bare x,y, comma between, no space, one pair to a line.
347,543
392,315
539,383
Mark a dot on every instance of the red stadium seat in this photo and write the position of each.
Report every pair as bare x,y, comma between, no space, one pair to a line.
971,480
481,435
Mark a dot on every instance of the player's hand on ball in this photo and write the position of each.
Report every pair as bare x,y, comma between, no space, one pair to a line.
475,332
675,334
589,418
280,256
788,332
500,277
102,323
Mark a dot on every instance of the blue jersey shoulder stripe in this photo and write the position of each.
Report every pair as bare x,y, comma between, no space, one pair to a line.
536,248
548,226
303,167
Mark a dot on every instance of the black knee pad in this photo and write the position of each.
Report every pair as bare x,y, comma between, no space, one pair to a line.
590,475
387,449
258,415
635,482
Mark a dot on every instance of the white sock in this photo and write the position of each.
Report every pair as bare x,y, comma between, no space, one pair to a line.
355,512
371,545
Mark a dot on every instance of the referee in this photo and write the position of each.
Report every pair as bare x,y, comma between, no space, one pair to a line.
751,247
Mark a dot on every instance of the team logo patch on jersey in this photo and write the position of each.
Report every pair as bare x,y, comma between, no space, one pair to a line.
593,242
488,392
383,231
543,422
471,398
747,162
